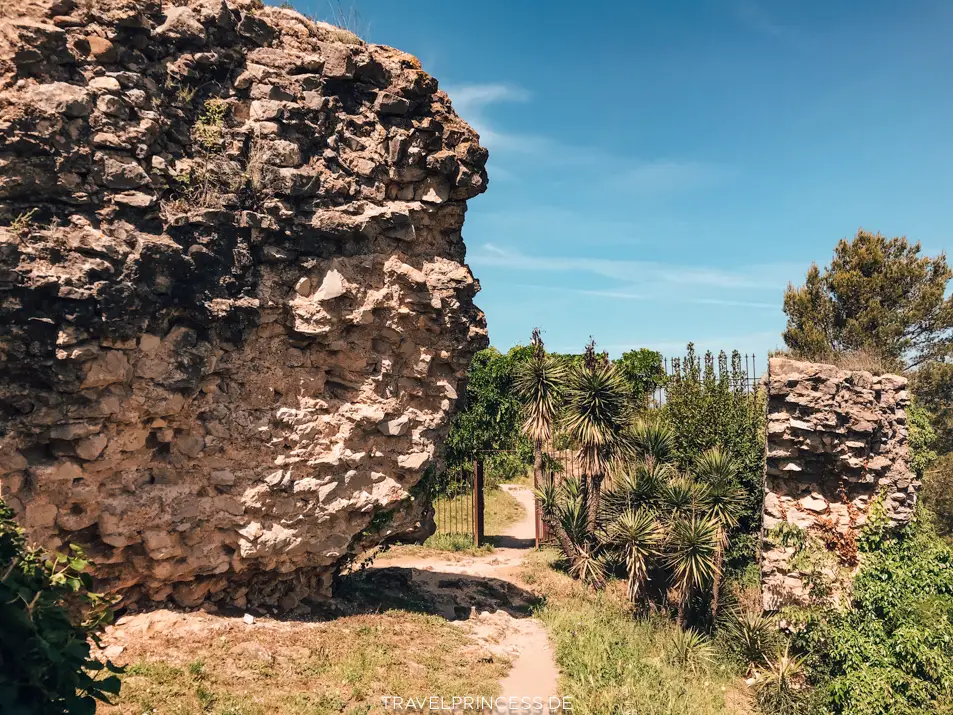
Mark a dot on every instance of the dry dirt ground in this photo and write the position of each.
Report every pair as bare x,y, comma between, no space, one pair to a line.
410,626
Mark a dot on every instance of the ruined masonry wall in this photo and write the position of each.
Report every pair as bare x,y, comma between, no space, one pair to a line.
233,333
836,441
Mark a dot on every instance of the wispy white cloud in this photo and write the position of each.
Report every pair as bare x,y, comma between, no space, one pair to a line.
627,294
474,98
755,16
475,103
755,276
665,175
472,102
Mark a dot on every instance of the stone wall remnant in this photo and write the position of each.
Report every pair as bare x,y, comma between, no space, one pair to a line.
236,313
836,444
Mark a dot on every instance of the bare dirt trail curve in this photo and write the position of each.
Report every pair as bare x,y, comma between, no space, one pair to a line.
523,639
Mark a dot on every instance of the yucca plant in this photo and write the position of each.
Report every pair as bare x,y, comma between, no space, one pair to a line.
780,687
753,636
639,487
682,496
723,504
596,415
635,536
538,384
690,649
652,438
691,545
548,494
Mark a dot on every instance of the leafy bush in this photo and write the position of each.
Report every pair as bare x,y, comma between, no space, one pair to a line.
48,615
932,385
892,652
488,421
707,410
644,372
922,439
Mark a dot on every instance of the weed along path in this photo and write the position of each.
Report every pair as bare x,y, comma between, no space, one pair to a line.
487,598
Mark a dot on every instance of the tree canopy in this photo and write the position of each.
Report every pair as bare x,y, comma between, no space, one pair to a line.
878,295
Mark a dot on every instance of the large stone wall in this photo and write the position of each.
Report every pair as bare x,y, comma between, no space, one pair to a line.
235,309
836,442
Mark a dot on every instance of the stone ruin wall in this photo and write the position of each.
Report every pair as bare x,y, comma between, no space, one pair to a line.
228,357
836,441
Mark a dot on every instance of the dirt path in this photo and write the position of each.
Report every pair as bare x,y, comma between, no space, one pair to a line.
504,630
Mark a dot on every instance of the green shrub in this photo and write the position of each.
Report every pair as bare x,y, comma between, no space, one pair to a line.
922,439
48,615
488,421
892,652
644,372
709,409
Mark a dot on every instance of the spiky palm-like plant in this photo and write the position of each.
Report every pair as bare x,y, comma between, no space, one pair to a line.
752,635
652,438
636,537
564,508
640,487
690,649
549,496
779,688
595,417
682,496
538,384
692,542
724,501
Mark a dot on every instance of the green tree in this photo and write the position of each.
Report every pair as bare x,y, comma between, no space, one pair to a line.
48,615
706,408
877,295
644,372
932,383
488,423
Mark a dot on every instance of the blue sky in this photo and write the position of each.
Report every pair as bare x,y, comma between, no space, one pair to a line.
660,171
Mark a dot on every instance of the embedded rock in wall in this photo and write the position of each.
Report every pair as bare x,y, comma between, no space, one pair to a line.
836,444
235,309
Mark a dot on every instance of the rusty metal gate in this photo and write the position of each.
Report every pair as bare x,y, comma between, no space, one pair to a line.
459,508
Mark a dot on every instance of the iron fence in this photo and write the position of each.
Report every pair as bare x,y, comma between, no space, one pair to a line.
740,372
460,510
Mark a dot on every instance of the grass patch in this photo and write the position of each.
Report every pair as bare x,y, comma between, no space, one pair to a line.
500,511
457,543
298,668
614,663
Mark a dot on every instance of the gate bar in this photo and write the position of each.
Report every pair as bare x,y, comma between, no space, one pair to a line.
477,502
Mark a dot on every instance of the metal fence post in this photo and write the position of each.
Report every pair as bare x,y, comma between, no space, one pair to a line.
477,502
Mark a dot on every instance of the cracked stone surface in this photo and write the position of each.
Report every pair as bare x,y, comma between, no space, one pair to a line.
235,304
